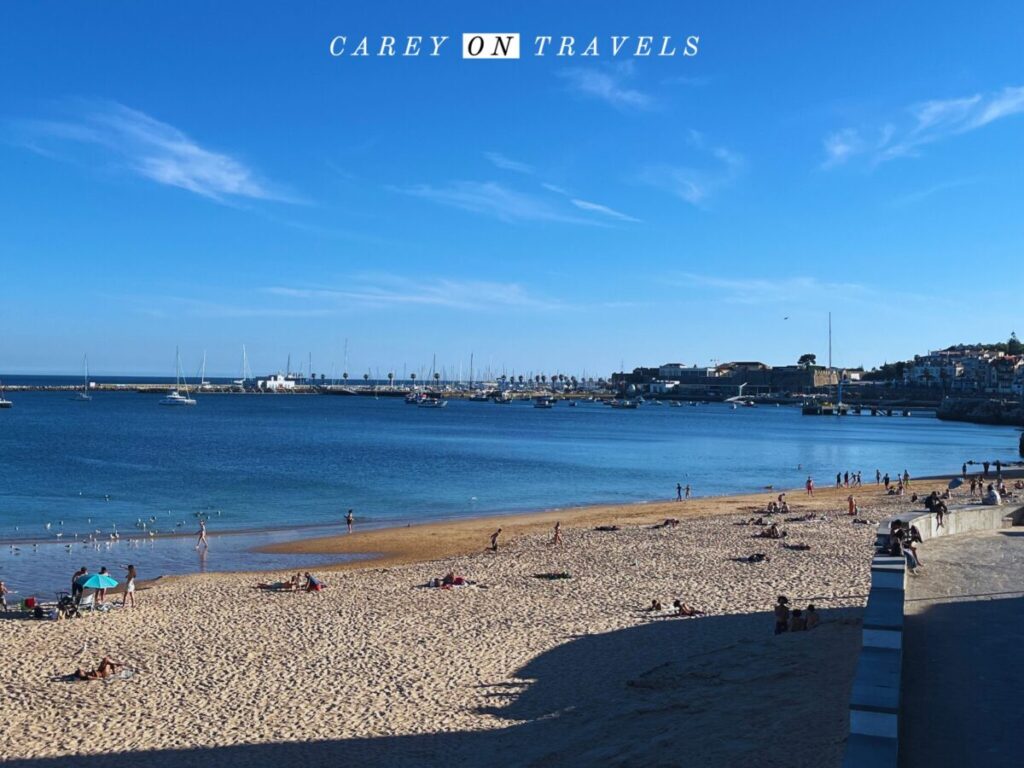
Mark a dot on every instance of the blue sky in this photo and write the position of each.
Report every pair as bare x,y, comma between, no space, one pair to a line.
210,177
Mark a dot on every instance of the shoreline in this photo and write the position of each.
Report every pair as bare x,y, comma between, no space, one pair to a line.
440,539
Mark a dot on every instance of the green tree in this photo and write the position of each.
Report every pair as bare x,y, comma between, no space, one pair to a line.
807,360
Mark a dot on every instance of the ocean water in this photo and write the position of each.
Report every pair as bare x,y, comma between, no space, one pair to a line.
250,463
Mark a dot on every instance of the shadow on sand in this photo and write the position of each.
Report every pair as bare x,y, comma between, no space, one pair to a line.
710,691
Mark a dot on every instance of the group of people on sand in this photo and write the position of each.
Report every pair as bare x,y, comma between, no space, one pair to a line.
847,479
683,492
128,593
893,489
306,582
679,608
794,620
450,580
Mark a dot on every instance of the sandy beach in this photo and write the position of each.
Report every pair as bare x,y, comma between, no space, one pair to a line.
380,670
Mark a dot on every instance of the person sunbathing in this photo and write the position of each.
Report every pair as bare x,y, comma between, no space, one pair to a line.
655,605
107,668
282,586
682,609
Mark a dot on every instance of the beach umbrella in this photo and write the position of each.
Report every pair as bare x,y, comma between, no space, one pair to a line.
96,581
956,482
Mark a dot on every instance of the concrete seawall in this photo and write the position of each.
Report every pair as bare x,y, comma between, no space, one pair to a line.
877,684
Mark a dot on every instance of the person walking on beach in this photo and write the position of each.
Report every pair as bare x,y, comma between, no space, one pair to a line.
858,479
349,519
846,479
878,477
129,587
679,491
906,479
839,480
984,466
886,480
686,491
202,541
963,472
494,540
557,540
4,592
781,615
809,485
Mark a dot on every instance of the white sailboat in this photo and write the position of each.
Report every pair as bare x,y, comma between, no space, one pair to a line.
246,371
174,397
203,383
84,396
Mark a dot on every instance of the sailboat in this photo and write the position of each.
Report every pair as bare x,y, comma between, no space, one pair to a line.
203,383
84,396
4,402
246,373
174,397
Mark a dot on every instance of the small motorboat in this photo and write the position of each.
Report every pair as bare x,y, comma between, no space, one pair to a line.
431,402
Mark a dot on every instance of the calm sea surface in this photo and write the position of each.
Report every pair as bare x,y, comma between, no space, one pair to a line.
256,462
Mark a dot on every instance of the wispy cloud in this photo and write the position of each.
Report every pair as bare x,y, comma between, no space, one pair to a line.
608,84
491,198
921,124
382,291
769,290
604,210
923,194
507,163
152,149
696,183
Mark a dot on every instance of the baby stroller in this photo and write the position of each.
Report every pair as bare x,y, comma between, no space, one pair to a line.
67,608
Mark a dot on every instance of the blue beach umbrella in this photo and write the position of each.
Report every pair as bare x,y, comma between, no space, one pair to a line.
96,581
956,482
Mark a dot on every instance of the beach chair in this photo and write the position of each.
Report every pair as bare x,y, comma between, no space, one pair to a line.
86,601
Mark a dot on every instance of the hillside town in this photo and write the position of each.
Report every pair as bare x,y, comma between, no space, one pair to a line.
962,370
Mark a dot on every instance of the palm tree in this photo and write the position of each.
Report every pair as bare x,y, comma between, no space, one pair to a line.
412,376
345,375
391,379
366,377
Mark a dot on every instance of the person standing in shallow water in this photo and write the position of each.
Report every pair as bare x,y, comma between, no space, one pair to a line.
202,541
349,519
